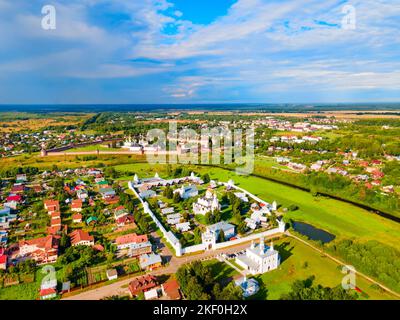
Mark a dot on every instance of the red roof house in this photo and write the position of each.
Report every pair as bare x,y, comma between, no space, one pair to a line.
16,198
76,205
77,218
142,284
171,289
81,238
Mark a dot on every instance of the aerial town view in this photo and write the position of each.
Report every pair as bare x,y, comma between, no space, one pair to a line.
175,163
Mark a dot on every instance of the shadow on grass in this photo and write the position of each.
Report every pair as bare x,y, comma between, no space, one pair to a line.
285,250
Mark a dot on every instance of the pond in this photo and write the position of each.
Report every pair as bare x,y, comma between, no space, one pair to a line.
312,232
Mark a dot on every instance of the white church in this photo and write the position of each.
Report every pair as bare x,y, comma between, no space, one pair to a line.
259,258
208,203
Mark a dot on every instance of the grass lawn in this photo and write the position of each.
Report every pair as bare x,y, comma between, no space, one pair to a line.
93,148
23,291
220,270
294,255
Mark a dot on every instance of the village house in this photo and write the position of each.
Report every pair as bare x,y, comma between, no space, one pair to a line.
150,261
3,259
81,238
170,289
183,227
173,219
77,218
51,206
82,194
42,250
128,240
112,274
142,284
168,210
76,205
46,294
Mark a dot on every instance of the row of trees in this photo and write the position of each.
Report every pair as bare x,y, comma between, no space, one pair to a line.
198,283
306,290
373,258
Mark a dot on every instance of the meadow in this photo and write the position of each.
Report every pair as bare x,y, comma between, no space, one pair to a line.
300,262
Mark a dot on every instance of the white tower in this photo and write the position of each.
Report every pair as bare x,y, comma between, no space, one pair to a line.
136,179
156,176
274,206
281,225
262,245
215,203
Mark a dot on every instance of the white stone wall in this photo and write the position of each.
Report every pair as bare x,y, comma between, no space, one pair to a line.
173,241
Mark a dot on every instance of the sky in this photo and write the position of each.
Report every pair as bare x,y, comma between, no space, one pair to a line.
200,51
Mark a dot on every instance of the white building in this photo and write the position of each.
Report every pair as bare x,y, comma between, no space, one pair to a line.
210,236
242,196
187,192
183,227
259,258
249,286
208,203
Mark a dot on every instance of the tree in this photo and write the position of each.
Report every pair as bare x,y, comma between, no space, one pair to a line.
64,242
242,228
305,290
221,236
206,178
168,192
177,197
197,235
229,292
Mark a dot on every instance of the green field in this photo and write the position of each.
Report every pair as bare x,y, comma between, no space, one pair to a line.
93,148
300,262
340,218
220,270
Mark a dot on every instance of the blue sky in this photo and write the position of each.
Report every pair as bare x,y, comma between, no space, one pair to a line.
199,51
